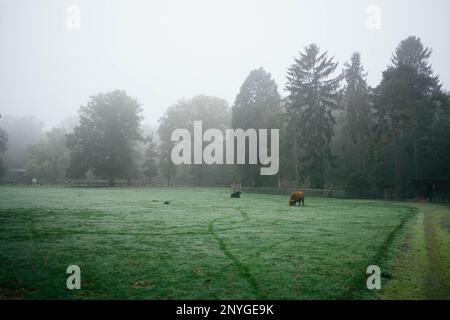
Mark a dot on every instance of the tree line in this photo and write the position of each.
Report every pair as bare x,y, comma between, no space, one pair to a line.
335,130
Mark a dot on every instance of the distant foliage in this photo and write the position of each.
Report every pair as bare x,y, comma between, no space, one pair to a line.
3,146
3,140
335,130
48,159
214,113
21,132
149,166
358,185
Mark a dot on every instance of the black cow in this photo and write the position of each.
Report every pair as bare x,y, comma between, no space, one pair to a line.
236,194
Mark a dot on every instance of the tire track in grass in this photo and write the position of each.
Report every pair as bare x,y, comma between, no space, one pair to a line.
355,291
422,270
244,215
243,270
272,246
437,284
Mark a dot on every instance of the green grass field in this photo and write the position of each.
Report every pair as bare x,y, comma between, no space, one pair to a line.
205,245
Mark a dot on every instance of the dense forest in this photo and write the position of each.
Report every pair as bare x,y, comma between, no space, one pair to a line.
335,131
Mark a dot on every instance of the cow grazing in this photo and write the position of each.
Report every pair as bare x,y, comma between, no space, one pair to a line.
236,194
297,196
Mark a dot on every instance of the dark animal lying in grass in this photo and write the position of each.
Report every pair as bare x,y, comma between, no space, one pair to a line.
297,196
236,194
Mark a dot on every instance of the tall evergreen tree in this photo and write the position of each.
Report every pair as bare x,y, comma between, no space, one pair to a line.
357,115
257,106
313,98
405,105
411,52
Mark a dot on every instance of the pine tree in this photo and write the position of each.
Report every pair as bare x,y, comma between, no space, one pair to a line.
313,99
405,105
357,115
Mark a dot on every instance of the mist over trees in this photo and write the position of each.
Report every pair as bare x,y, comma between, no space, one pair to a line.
149,166
48,159
335,131
21,132
257,106
351,143
311,105
3,147
214,114
405,105
104,140
356,120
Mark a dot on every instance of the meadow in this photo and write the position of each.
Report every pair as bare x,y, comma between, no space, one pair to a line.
129,244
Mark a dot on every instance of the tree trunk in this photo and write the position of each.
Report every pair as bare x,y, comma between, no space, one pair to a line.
416,158
397,164
54,173
362,153
296,160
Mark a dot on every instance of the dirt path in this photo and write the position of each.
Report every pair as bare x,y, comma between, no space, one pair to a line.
422,268
437,278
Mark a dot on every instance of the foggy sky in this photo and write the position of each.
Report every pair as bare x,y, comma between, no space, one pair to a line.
161,51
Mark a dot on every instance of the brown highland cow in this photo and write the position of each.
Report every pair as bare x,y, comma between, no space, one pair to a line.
297,196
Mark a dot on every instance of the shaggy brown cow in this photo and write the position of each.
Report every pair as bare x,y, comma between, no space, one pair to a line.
297,196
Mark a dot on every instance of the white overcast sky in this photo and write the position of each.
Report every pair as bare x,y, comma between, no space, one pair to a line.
161,51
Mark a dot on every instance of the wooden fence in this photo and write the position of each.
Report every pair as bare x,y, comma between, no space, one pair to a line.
332,193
